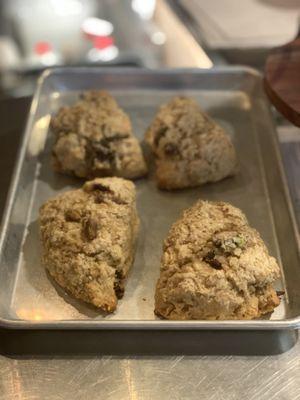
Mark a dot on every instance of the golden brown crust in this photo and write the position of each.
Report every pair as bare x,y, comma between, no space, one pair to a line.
215,266
189,147
94,138
81,251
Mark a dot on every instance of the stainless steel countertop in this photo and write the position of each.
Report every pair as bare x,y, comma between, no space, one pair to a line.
162,377
149,378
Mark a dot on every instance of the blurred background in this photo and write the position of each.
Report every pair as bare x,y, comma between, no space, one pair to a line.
38,34
35,34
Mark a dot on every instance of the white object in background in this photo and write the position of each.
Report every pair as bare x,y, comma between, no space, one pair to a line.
97,27
245,24
145,8
67,7
9,54
104,55
158,38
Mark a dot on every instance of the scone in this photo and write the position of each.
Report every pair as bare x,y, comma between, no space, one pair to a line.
215,267
88,237
190,149
93,138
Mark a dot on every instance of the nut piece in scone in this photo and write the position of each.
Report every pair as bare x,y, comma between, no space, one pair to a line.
190,149
215,267
93,138
88,238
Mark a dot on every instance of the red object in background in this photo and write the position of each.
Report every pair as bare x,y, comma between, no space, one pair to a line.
41,48
99,42
102,42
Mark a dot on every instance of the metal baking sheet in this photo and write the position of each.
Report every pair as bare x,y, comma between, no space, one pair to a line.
29,299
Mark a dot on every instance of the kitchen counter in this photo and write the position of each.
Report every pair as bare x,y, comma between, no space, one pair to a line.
150,378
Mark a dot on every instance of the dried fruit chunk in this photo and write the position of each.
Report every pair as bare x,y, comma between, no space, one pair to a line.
91,227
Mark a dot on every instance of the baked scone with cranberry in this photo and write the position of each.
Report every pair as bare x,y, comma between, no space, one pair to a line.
215,267
190,149
94,138
88,238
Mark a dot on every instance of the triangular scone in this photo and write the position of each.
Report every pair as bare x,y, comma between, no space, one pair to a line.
88,237
93,138
189,147
215,267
